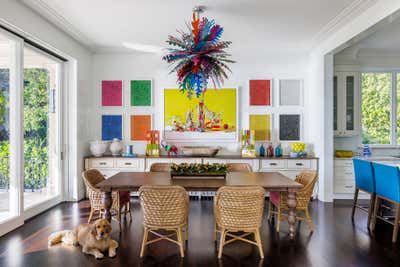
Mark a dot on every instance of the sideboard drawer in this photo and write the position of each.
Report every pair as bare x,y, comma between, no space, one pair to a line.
129,163
299,164
273,164
101,163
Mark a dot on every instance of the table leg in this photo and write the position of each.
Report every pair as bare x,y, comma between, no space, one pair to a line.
292,203
107,201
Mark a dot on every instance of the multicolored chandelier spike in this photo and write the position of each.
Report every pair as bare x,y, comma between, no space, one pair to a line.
198,55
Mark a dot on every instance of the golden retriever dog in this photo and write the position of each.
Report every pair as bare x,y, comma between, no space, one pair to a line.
94,238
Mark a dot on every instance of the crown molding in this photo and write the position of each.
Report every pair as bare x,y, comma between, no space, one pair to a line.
51,15
346,15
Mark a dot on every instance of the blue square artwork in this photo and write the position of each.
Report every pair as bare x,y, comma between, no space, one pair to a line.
111,127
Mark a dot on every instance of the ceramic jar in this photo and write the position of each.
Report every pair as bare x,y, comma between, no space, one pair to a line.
98,148
116,147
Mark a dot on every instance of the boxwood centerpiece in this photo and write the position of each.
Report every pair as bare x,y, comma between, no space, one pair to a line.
199,170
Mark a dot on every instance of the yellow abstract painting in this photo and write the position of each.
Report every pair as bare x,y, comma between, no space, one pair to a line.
216,113
261,124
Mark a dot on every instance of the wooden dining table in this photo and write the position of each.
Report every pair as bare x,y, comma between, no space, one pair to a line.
270,181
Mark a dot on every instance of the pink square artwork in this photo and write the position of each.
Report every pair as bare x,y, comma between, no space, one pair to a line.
111,93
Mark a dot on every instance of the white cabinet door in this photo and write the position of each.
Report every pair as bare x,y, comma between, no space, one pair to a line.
213,160
346,103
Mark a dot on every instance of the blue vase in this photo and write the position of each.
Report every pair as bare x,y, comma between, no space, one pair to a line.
262,151
278,151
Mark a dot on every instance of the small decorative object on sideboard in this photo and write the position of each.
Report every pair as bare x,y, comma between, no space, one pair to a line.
116,147
262,151
170,149
98,148
270,151
199,151
298,150
129,152
153,141
199,171
278,151
248,141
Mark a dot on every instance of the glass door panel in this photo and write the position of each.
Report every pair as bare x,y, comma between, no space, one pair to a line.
41,128
335,103
350,91
9,186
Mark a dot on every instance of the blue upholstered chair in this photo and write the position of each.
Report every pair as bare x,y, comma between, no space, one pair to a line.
365,181
387,180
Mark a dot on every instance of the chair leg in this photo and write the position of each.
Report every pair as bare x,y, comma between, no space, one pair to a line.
129,210
353,210
186,232
180,241
259,244
396,223
376,209
144,241
309,220
119,219
221,243
269,210
90,215
215,232
278,220
371,209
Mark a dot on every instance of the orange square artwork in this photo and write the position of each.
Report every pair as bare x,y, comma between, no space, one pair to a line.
140,124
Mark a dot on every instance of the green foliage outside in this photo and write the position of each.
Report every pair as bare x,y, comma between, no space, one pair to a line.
375,108
35,130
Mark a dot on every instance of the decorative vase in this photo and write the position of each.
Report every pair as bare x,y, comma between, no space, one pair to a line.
98,148
116,147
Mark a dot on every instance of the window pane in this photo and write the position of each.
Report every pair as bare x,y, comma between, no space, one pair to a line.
375,108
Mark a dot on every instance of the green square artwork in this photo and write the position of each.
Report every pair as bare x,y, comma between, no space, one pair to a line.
140,93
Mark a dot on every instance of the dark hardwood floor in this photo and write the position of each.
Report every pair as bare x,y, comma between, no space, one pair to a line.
336,242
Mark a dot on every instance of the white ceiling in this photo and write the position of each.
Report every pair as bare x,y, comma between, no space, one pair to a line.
103,25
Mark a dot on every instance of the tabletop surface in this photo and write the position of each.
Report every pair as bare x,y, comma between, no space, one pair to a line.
133,180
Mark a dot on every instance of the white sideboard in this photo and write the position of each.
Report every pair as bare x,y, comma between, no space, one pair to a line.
290,167
344,181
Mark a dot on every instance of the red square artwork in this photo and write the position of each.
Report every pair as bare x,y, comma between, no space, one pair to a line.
260,92
111,93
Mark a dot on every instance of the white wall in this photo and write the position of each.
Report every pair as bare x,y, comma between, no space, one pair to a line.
150,66
30,24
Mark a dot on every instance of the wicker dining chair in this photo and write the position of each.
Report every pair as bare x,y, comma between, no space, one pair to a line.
303,197
239,167
238,209
164,208
120,199
160,167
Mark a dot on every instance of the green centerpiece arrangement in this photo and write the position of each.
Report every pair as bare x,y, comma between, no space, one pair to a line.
199,170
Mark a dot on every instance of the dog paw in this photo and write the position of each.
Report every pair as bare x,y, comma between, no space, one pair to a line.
99,256
112,254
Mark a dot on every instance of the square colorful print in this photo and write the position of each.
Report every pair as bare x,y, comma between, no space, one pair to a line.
140,93
111,93
261,124
140,125
111,127
260,92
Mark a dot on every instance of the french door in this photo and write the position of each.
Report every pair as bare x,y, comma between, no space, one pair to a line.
30,131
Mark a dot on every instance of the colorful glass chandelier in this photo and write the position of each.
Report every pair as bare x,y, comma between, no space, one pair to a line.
198,55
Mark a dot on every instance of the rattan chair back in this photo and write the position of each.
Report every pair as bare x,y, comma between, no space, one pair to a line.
239,167
160,167
239,207
164,206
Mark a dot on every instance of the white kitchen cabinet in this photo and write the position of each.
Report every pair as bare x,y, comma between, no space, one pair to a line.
346,104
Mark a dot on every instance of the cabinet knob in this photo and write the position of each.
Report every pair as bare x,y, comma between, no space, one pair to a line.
299,164
102,163
128,163
273,164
